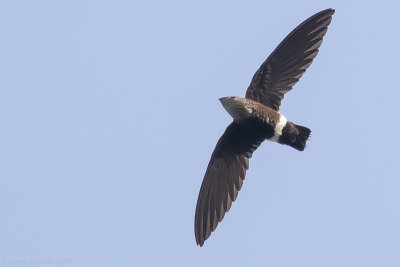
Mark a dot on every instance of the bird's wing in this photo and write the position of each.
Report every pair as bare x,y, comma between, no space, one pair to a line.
287,63
225,174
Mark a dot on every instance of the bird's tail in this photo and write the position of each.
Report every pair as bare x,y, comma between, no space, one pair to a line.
301,138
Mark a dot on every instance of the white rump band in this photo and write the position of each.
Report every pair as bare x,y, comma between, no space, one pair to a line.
278,128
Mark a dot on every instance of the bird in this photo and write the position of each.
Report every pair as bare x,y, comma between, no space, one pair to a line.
256,118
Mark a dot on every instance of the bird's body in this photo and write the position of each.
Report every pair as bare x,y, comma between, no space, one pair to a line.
256,118
277,127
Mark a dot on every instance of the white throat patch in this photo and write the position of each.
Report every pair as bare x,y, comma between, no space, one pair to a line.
278,128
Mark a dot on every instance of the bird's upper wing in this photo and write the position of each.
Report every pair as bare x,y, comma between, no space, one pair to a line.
284,67
225,174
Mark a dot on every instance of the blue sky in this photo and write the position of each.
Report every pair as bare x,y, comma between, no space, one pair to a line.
109,113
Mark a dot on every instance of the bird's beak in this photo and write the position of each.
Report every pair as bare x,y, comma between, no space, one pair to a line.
224,102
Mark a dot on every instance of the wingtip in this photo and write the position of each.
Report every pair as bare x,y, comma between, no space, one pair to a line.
199,243
329,10
198,235
325,12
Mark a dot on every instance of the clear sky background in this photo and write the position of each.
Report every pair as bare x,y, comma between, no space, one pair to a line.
109,113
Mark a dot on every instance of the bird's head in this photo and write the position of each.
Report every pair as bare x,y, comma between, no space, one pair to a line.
237,107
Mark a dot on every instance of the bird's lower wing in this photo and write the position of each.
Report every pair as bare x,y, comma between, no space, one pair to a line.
225,174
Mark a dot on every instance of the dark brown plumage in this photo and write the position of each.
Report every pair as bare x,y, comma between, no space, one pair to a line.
256,119
287,63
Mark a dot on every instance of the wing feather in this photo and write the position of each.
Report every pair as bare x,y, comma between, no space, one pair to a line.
288,62
225,174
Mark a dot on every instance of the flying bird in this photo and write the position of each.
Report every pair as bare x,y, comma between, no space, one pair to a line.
256,118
